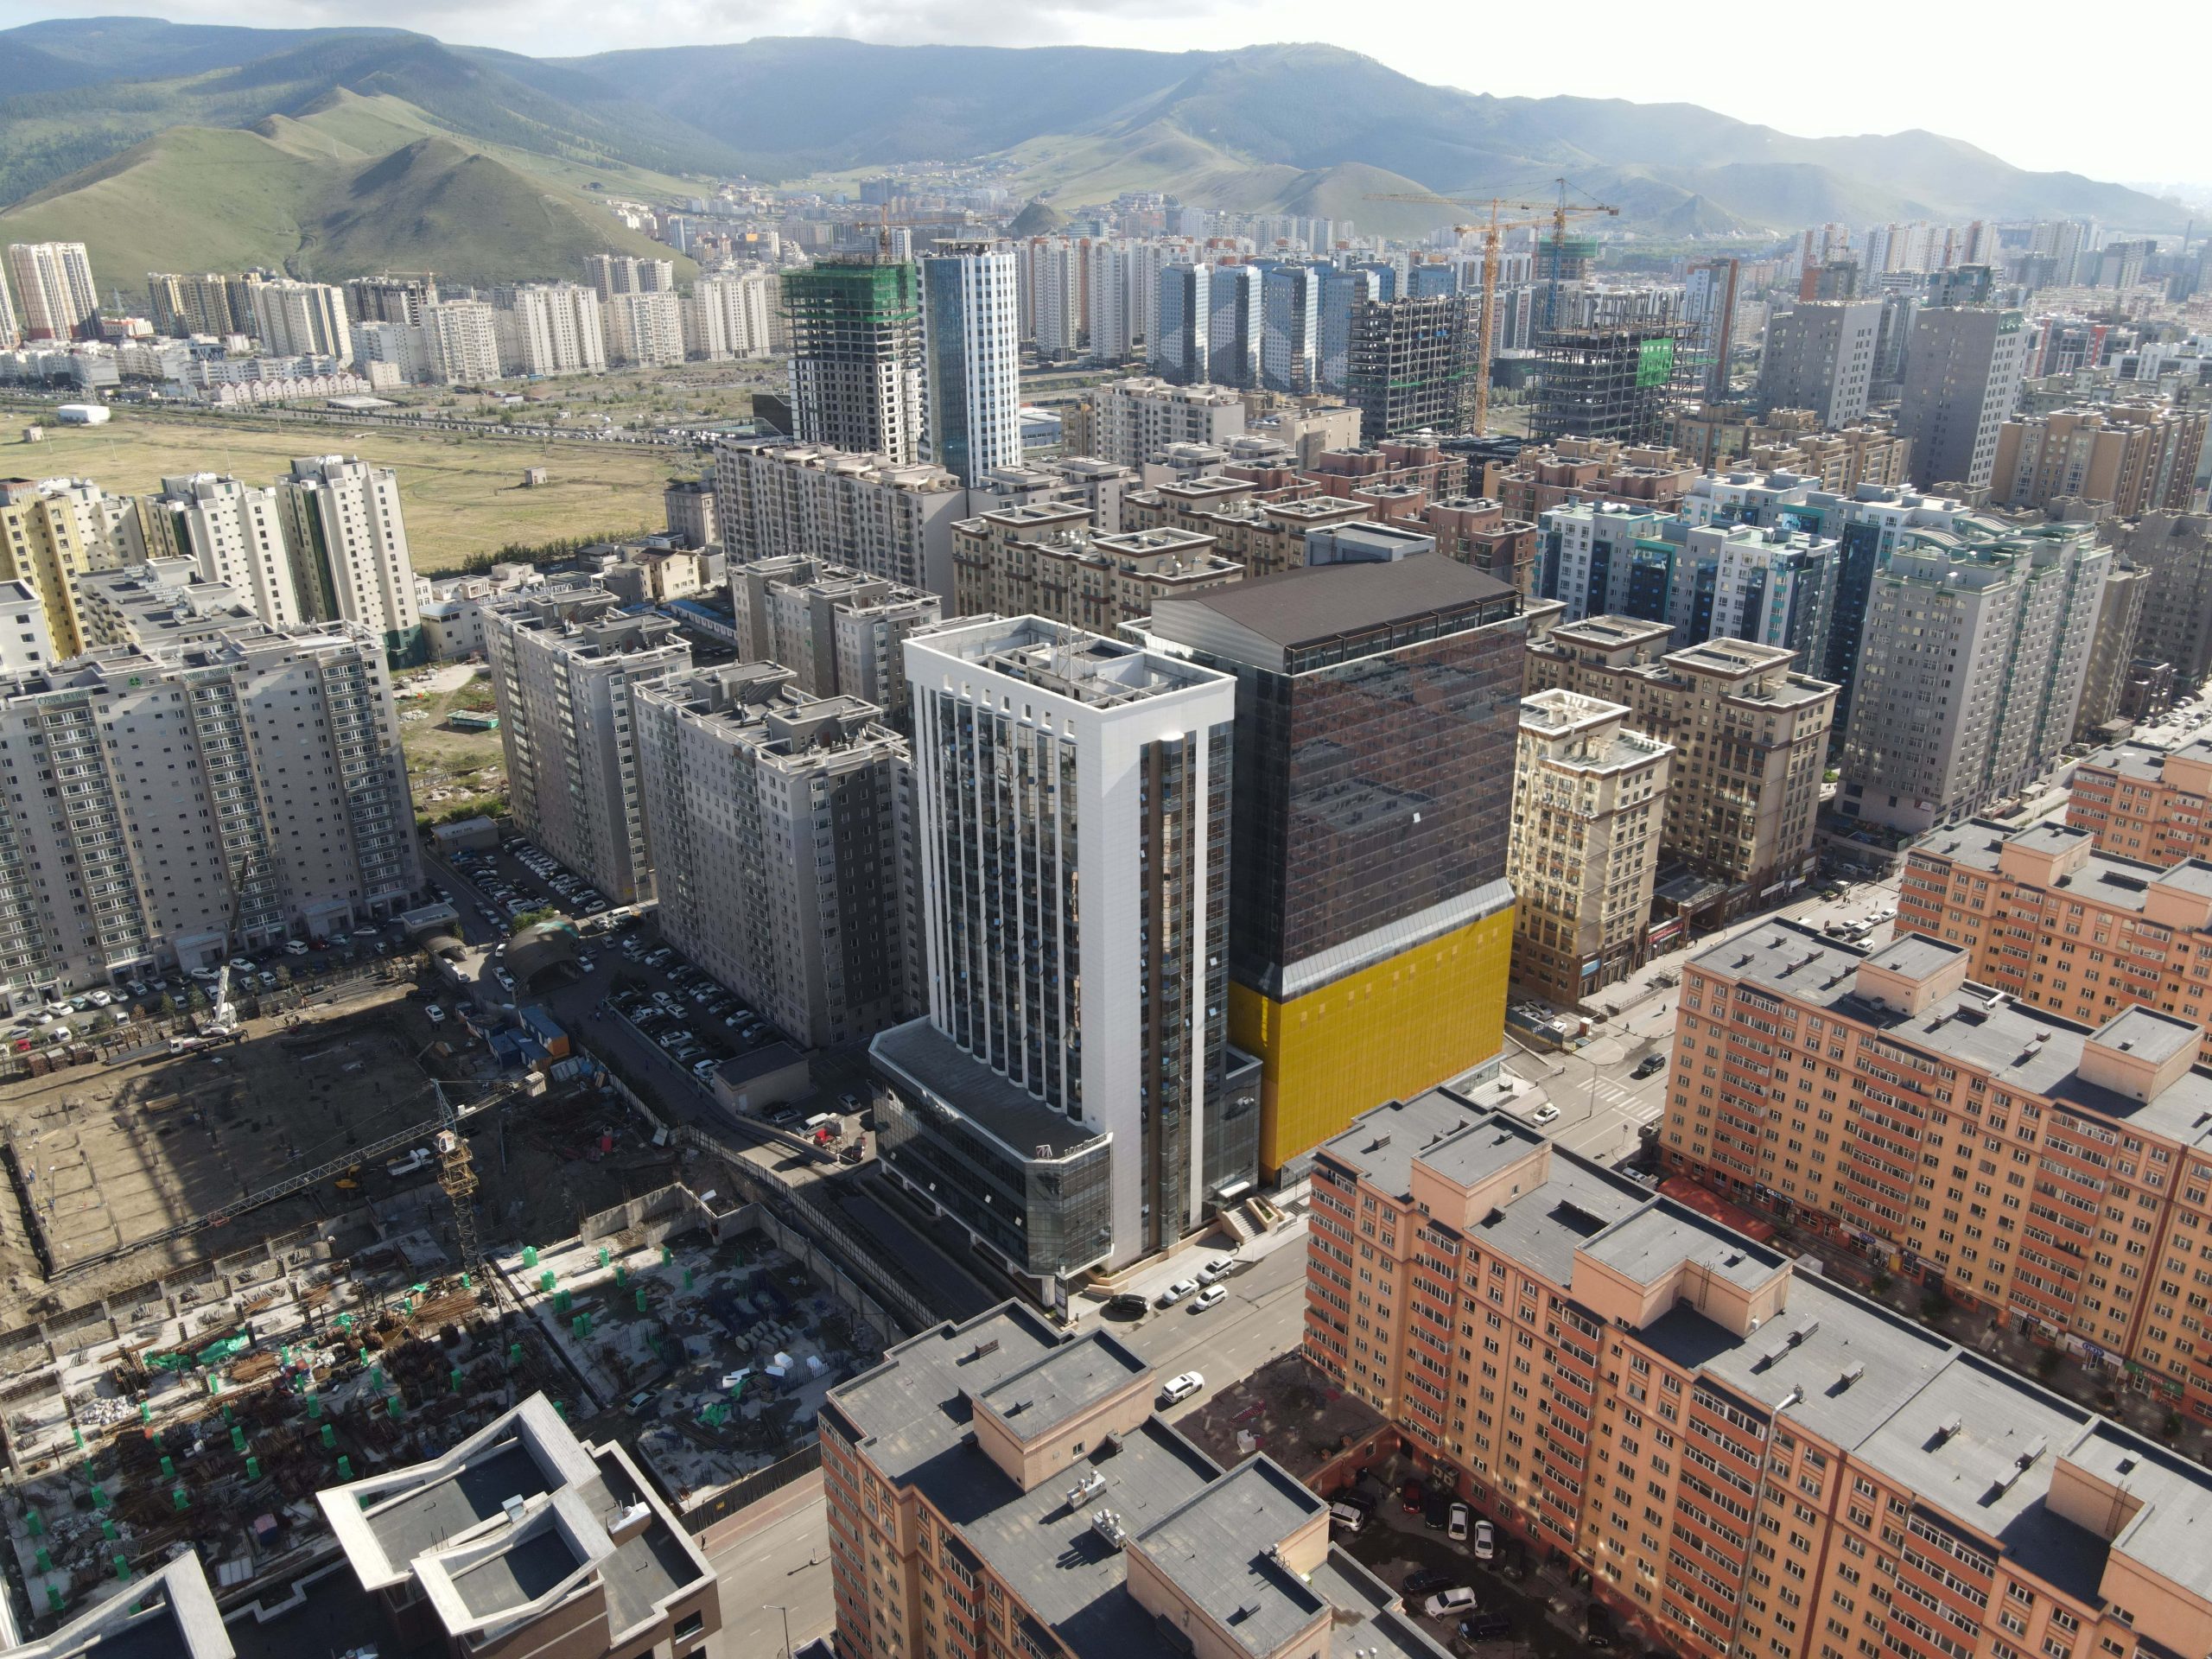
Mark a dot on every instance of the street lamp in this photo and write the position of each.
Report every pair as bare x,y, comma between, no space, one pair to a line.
777,1607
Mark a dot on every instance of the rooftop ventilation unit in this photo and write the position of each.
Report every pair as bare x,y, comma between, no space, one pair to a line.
1852,1372
1091,1484
513,1506
1803,1331
1108,1525
1949,1427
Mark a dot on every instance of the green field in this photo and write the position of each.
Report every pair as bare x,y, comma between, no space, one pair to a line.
463,496
452,774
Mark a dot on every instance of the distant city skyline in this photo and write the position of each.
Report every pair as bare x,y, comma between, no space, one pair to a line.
1893,75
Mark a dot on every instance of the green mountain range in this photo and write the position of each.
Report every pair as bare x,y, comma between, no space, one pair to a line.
338,151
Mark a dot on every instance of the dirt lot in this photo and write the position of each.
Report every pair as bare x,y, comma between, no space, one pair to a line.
453,773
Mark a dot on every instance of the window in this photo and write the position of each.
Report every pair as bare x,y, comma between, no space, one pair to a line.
689,1625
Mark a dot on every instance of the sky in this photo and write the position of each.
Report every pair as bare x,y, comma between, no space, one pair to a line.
1987,77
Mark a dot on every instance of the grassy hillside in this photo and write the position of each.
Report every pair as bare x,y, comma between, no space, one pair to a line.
346,191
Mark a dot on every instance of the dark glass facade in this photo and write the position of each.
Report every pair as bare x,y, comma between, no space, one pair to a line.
1368,791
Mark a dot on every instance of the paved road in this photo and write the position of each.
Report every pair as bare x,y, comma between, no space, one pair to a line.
1264,1316
782,1562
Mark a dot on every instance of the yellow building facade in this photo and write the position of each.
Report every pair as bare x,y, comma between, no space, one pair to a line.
1385,1032
40,545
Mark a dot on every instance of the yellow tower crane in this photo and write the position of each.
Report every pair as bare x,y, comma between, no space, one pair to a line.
1539,215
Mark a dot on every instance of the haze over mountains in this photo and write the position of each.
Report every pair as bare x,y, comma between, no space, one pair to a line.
345,151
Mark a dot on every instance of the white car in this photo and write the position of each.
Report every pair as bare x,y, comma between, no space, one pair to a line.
1176,1292
1456,1531
1181,1387
101,998
1544,1114
434,1015
1446,1603
1219,1267
1212,1295
295,947
1485,1541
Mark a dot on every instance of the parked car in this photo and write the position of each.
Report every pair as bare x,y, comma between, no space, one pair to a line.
1127,1305
1412,1497
1647,1065
1444,1603
1458,1529
1176,1292
1219,1267
1422,1580
1485,1541
434,1015
1546,1113
1181,1386
1211,1296
1485,1627
1346,1515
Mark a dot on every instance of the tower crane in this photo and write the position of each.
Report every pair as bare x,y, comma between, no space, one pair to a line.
1535,216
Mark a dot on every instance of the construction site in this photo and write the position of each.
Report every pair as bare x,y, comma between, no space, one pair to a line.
237,1275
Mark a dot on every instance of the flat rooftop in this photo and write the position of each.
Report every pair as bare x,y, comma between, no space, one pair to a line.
2104,878
1322,602
1217,1549
1064,1383
1382,1144
994,1103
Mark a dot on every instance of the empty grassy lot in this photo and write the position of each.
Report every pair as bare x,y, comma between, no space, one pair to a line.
463,496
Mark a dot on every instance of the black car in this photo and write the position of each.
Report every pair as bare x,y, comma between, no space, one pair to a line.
1127,1305
1436,1514
1485,1627
1647,1065
1423,1581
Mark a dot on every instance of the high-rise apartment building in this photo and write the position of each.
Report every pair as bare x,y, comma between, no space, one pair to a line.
780,829
1181,342
234,533
180,305
1137,418
841,634
348,538
2044,916
2138,456
726,316
1110,280
54,285
1647,1390
44,542
971,349
461,341
2100,1123
645,329
777,500
856,328
1342,293
1820,356
294,319
11,332
1371,917
610,274
1962,372
2113,662
1589,796
1750,737
1970,673
565,670
2146,803
1236,313
390,297
2176,548
1057,274
226,790
1066,1099
1048,562
1771,585
548,328
1290,331
1409,364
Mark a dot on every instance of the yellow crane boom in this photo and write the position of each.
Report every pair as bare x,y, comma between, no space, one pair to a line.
1554,215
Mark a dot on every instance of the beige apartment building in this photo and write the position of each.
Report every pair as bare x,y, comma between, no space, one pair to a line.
841,632
1747,1458
1589,796
1721,437
998,1489
1751,739
2053,1171
2147,803
1042,562
2044,916
1650,478
2141,457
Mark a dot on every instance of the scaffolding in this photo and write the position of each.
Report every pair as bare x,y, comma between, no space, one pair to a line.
1412,364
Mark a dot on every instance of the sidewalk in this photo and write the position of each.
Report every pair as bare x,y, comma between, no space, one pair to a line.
1148,1279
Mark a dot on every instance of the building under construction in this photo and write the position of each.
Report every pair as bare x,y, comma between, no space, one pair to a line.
1411,364
1605,382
